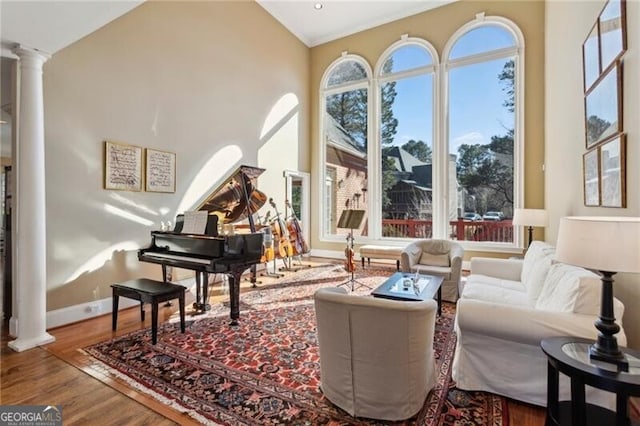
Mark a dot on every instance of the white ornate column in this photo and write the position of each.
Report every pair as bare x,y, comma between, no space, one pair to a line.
28,322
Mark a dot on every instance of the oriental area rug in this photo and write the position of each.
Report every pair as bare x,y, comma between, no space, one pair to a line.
266,370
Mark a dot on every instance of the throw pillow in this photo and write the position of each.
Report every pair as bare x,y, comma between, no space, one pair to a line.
434,259
570,289
559,289
535,267
589,297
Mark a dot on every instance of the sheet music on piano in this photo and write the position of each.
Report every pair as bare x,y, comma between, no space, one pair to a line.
195,222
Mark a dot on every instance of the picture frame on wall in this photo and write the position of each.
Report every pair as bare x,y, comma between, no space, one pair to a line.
603,107
160,171
606,42
612,177
122,166
612,30
591,175
591,58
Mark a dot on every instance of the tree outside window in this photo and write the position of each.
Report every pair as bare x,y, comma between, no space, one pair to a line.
475,154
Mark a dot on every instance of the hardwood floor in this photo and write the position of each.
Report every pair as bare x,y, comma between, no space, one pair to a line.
61,374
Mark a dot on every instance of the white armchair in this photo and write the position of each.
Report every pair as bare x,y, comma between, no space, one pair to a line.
436,257
376,355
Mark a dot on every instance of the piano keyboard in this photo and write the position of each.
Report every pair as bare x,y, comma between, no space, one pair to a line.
177,257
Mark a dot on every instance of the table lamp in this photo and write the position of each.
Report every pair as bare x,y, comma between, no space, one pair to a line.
530,218
608,245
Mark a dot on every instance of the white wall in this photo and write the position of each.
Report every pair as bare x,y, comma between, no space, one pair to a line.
567,26
214,82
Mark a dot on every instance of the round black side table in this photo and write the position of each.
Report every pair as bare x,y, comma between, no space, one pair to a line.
570,356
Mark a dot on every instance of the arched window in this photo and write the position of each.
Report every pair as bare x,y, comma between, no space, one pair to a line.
345,127
406,77
483,134
426,149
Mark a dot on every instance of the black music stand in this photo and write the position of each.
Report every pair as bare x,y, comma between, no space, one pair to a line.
351,219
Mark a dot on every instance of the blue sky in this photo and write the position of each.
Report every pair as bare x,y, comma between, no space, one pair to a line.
476,96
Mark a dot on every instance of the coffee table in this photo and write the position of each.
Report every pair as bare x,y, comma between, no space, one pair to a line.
404,286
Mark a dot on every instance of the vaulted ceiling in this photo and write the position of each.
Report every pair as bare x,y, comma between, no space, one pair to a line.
52,25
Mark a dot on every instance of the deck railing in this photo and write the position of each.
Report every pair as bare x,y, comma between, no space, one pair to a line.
497,231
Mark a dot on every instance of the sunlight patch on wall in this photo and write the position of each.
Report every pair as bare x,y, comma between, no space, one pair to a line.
132,204
127,215
100,258
209,176
279,145
281,112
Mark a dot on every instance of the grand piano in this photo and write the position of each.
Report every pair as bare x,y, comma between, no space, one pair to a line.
235,200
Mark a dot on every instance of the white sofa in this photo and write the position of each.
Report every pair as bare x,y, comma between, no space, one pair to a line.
376,355
507,307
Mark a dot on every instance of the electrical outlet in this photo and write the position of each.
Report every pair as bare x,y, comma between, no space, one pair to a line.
94,308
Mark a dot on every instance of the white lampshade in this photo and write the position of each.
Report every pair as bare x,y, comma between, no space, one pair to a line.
530,217
601,243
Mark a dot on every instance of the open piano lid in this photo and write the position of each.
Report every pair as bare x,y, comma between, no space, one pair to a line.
237,197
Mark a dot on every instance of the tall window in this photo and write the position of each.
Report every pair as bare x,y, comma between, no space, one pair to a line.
345,124
483,133
427,149
406,82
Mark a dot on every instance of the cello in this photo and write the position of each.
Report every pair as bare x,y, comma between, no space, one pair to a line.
295,232
280,230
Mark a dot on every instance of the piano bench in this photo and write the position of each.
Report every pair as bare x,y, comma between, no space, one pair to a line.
148,291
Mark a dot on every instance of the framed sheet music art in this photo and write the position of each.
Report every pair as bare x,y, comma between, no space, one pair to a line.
122,166
160,175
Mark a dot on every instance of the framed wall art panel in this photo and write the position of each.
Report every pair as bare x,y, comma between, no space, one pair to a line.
591,58
603,107
613,172
612,24
591,175
122,166
606,42
160,173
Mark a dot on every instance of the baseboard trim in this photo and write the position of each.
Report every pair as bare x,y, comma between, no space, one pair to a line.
83,311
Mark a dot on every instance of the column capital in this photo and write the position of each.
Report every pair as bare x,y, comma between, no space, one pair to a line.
28,53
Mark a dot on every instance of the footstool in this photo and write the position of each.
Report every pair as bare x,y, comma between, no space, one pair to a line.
380,252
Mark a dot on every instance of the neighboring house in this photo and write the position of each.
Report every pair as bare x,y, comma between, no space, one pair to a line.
404,162
411,195
409,201
346,163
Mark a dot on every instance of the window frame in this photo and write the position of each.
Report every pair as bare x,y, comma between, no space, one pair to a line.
440,145
324,92
375,149
517,52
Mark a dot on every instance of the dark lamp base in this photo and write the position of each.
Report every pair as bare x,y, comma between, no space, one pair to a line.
617,359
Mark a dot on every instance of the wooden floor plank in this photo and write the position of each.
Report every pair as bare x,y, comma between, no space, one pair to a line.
61,373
